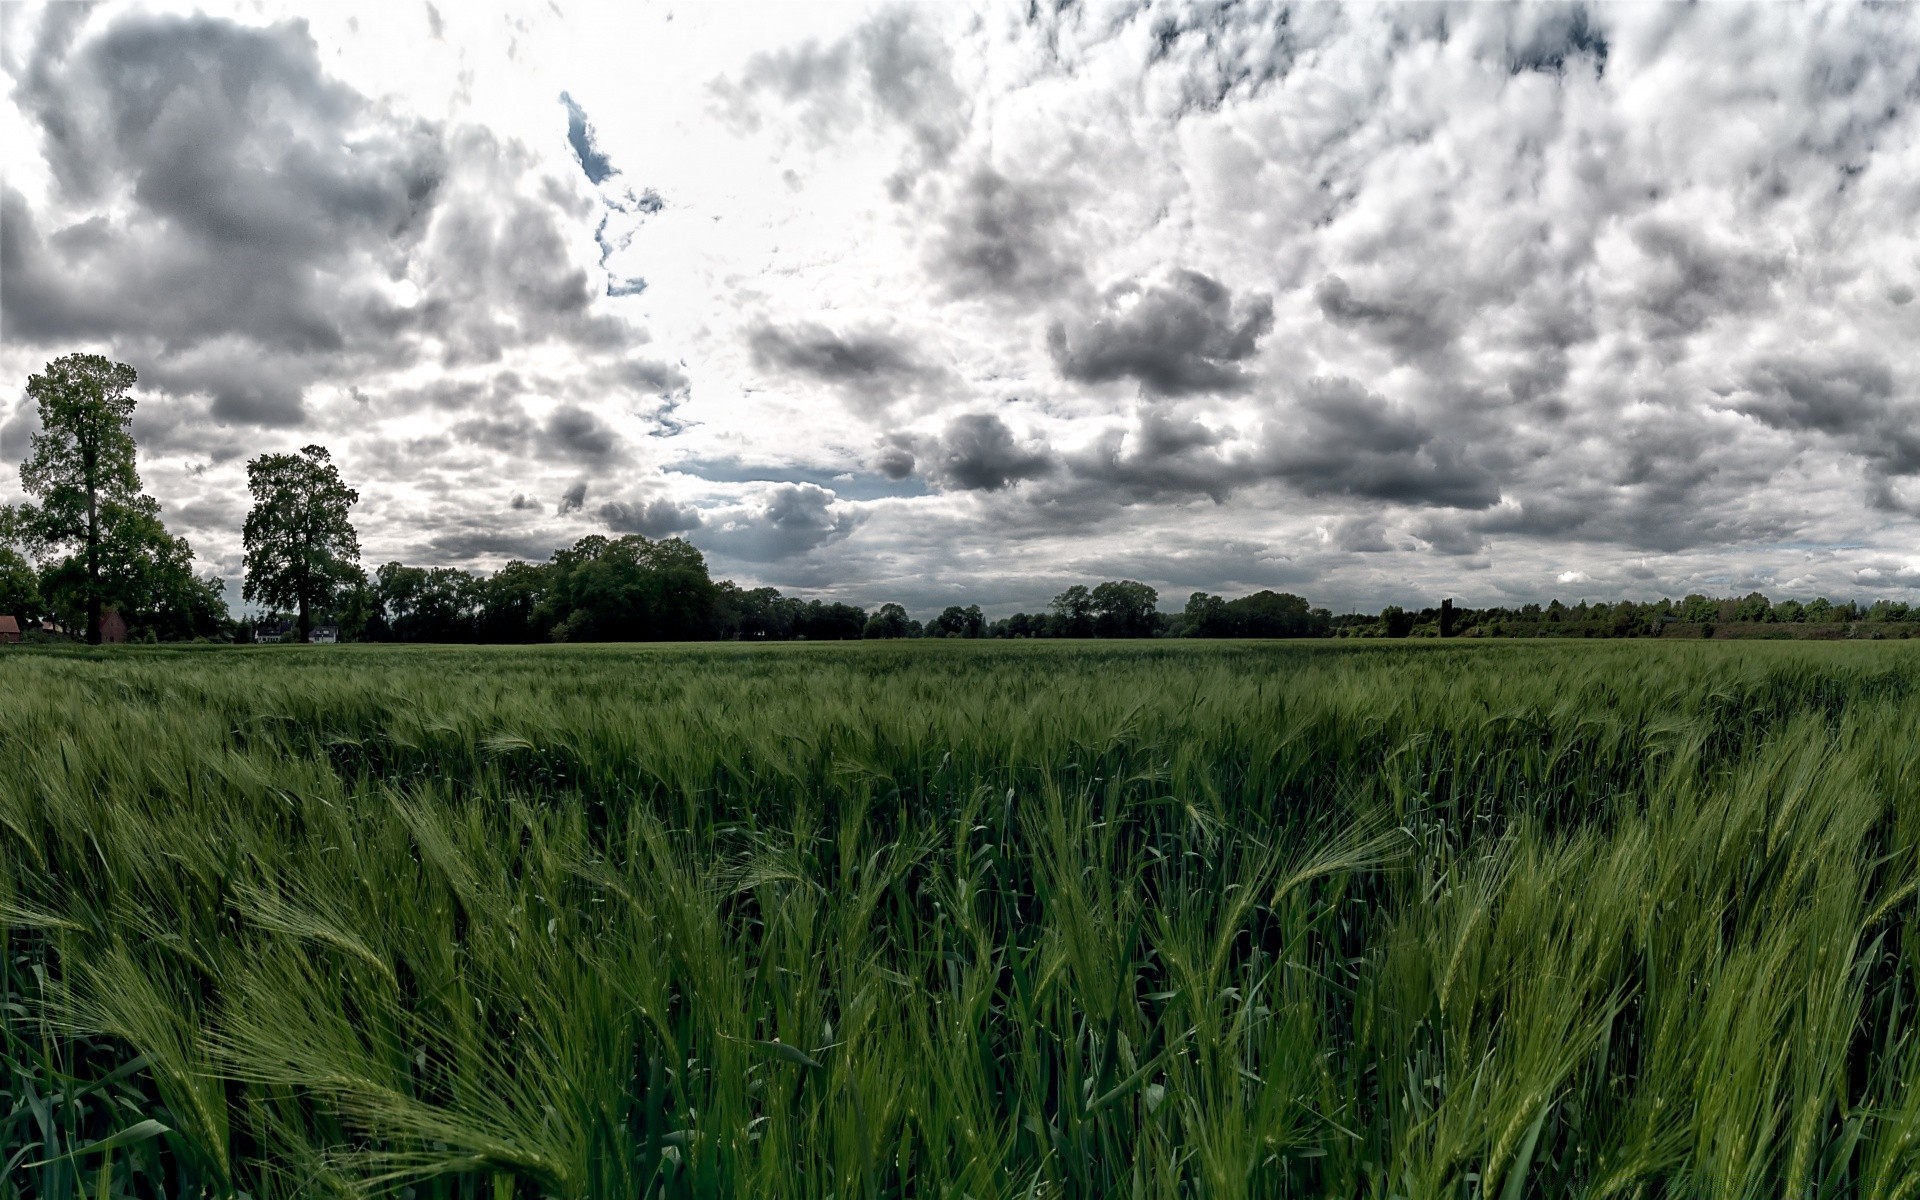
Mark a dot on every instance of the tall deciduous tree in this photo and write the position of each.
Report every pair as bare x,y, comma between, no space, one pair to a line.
300,547
81,470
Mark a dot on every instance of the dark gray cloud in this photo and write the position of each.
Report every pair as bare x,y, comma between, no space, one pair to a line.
997,237
579,433
654,518
979,453
573,498
1165,455
1342,440
1691,278
1179,336
873,368
1411,326
214,223
236,219
458,541
1853,399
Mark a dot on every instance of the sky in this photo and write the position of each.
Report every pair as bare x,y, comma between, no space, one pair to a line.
964,303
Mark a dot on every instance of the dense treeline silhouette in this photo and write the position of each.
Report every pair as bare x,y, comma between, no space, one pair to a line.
103,549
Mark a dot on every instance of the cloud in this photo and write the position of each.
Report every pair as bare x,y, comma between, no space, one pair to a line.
785,521
872,367
654,518
891,70
977,452
573,498
1164,456
1402,290
1360,535
1850,398
579,433
1560,33
236,221
1182,335
1410,326
1339,439
998,237
1687,279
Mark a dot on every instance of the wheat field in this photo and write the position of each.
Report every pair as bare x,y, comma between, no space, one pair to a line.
962,920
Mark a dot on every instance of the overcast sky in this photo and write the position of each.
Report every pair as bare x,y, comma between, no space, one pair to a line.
949,303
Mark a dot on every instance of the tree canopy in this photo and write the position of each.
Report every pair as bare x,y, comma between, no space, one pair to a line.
81,470
300,547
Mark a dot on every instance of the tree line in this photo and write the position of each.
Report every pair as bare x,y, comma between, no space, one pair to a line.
97,544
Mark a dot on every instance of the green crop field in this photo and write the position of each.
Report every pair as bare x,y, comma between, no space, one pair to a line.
963,920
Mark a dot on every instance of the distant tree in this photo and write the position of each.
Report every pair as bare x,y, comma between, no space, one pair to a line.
1754,607
19,586
952,622
1270,614
300,546
1396,622
830,622
1704,610
1026,625
508,600
890,622
354,608
19,589
1072,614
959,622
422,604
1123,608
81,470
631,589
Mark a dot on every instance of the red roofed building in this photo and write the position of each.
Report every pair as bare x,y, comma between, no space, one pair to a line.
9,630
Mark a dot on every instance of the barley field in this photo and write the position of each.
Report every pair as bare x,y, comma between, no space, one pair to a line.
962,920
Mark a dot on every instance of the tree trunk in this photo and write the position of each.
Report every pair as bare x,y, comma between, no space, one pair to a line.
303,618
93,558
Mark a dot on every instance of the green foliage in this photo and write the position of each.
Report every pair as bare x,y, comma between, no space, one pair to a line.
1124,608
956,621
301,550
945,919
890,621
82,472
19,588
630,589
1264,614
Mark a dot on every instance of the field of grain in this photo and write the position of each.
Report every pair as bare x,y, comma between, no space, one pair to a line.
962,919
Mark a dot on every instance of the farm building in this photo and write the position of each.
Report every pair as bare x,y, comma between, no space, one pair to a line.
9,630
113,628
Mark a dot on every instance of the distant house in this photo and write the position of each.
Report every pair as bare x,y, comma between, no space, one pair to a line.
113,628
324,635
9,630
